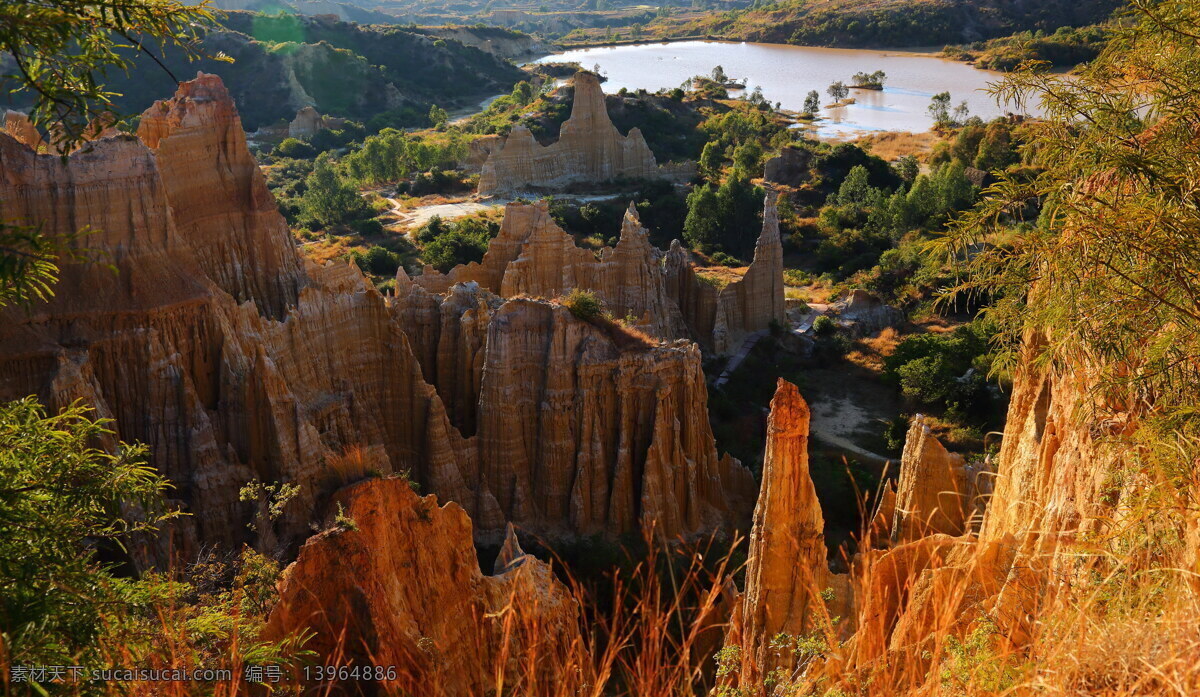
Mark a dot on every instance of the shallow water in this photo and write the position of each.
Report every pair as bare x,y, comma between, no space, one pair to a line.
787,73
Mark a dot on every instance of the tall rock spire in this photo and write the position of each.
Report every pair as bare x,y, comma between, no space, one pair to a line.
787,567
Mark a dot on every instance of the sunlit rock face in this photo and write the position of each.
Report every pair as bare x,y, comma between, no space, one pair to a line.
533,256
786,569
206,337
589,150
938,491
721,318
202,332
401,586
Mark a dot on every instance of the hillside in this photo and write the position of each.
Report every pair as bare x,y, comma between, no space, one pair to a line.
286,62
850,23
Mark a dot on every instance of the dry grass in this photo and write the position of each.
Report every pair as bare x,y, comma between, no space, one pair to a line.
870,351
891,146
331,248
720,276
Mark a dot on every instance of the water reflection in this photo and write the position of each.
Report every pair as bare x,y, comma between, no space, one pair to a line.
787,73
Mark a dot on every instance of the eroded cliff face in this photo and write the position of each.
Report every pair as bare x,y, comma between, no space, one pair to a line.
1054,490
589,149
584,428
1054,466
219,200
721,318
938,492
233,360
579,427
533,256
403,588
211,342
662,293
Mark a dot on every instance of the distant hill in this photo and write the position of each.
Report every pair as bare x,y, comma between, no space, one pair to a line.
285,62
894,22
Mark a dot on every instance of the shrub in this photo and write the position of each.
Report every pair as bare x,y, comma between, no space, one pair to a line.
584,304
65,503
447,245
294,148
824,325
378,261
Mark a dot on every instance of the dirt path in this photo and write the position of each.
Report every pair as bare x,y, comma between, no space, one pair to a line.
413,218
849,408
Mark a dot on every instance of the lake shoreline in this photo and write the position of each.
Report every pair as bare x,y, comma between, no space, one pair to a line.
926,51
785,73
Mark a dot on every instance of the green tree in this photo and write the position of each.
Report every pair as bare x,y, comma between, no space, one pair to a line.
908,167
294,148
939,109
812,103
702,226
438,115
719,76
1104,278
838,91
711,158
328,198
747,159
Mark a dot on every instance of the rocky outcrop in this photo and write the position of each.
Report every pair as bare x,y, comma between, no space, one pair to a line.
533,256
448,334
668,298
1054,467
232,360
791,167
401,586
589,149
584,428
479,150
23,131
720,317
212,343
863,314
308,121
219,200
938,492
786,569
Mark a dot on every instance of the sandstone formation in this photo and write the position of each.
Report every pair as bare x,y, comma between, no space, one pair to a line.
938,492
720,318
1053,466
309,121
786,569
583,428
22,129
479,150
589,149
212,343
533,256
1053,489
863,314
403,588
219,199
667,298
791,167
233,360
448,334
579,427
